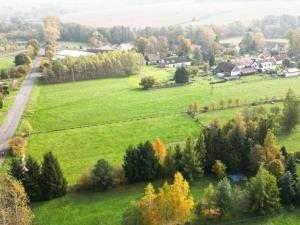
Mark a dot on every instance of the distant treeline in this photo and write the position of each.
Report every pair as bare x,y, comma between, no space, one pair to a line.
92,67
270,26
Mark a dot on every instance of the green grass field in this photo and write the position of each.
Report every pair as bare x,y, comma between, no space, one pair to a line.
6,62
107,208
84,121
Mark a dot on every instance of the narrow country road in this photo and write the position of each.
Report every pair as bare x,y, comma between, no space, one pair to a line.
13,117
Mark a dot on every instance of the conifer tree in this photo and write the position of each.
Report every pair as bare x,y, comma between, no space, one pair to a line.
287,189
263,193
224,196
53,183
140,163
32,179
192,167
291,166
102,175
201,148
17,169
291,111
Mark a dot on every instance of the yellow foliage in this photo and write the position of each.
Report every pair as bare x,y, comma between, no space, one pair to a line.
14,209
171,206
17,146
160,151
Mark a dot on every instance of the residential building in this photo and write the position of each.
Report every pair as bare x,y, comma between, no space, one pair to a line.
152,59
280,58
265,65
227,69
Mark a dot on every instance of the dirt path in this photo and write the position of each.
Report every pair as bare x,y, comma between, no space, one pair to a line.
13,117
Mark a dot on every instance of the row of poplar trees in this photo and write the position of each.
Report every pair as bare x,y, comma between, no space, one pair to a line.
114,63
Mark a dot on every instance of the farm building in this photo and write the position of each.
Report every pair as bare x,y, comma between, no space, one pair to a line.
152,59
227,69
248,71
291,72
265,65
175,61
71,53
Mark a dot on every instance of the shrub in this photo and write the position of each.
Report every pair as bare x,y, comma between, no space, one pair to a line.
219,169
181,75
17,146
119,178
22,59
27,127
194,109
213,105
85,181
102,175
148,82
22,69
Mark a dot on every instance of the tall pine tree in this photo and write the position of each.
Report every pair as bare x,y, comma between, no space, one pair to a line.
53,183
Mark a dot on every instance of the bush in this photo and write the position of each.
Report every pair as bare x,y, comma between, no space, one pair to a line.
22,69
22,59
219,169
181,75
148,82
17,146
85,181
119,178
27,127
102,175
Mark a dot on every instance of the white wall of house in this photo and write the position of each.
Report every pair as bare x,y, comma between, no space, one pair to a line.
176,65
291,72
235,72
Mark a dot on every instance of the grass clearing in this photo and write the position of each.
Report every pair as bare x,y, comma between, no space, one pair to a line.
84,121
6,62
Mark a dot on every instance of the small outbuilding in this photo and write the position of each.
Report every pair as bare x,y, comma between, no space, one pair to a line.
291,72
152,59
227,69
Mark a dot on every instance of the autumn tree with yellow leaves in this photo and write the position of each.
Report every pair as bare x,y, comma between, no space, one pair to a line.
14,209
172,205
160,151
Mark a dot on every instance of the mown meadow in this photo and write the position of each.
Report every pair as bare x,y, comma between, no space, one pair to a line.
82,122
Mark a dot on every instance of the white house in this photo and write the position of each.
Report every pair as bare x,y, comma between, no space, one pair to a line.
265,65
71,53
291,72
227,69
242,62
175,61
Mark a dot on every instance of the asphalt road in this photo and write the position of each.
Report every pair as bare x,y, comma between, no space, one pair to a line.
13,117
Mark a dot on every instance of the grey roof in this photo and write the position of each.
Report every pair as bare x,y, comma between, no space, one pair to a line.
225,67
152,57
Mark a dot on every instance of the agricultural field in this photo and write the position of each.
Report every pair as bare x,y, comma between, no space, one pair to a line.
166,13
6,62
84,121
81,122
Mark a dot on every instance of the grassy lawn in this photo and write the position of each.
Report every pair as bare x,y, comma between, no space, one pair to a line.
6,62
84,121
107,208
98,208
